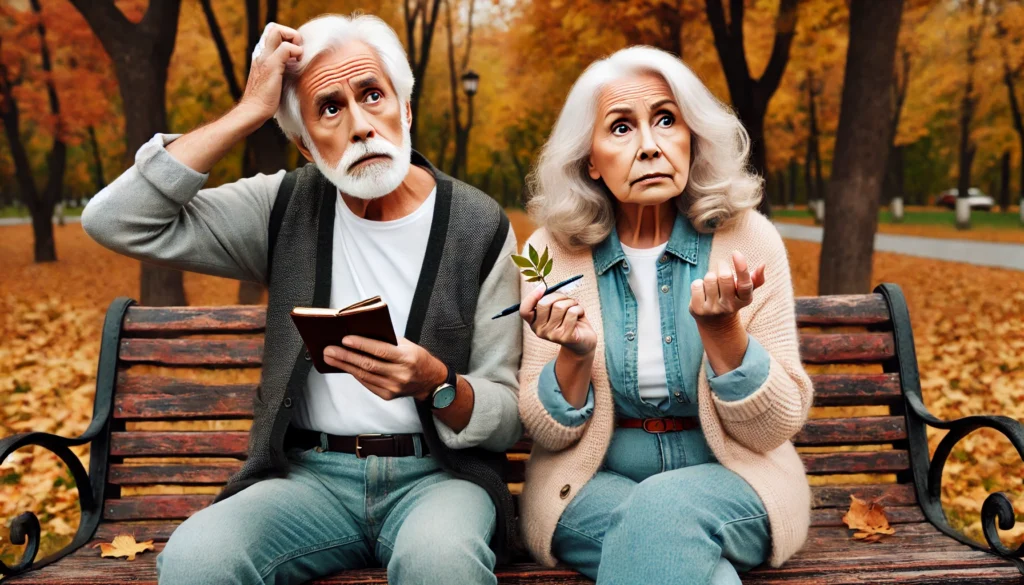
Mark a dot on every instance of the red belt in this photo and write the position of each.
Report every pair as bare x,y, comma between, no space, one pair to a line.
659,425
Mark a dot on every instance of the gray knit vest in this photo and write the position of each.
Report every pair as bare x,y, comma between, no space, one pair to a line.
467,232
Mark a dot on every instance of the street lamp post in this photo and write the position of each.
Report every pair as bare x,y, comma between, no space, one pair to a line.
470,84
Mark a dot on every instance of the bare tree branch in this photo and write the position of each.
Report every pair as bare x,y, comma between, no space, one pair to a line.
222,50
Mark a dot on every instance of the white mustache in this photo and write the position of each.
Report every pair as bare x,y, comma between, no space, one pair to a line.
361,150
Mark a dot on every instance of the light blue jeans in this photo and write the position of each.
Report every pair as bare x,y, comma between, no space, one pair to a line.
335,512
663,510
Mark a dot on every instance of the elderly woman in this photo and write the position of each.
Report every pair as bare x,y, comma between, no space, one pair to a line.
663,393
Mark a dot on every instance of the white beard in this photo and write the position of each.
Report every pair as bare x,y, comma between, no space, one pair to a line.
375,180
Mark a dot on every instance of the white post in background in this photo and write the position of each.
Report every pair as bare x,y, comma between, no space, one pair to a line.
819,211
963,214
60,212
896,208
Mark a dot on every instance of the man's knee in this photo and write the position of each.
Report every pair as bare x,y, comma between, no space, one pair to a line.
452,558
204,550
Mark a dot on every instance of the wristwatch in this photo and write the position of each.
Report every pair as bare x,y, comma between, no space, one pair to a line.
444,395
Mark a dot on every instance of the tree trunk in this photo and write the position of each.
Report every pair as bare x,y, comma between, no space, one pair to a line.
44,249
789,196
1004,182
101,181
861,149
750,96
422,13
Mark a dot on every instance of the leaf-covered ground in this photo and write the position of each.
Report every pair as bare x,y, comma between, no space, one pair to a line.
968,323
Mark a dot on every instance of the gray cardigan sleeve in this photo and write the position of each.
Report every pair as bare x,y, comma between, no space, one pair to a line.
158,212
493,363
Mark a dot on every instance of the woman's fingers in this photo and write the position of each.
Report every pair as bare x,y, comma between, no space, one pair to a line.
697,296
711,295
759,275
726,282
558,311
529,303
744,283
567,331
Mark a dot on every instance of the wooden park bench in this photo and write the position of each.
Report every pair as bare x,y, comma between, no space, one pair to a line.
891,450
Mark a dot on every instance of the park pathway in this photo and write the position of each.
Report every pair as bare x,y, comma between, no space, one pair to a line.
972,252
20,220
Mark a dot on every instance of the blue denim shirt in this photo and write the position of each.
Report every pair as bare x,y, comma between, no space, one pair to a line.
685,259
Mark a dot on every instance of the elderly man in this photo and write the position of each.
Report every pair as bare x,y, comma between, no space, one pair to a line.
394,461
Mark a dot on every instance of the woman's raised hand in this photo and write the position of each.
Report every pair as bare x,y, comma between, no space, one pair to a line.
724,292
559,319
276,47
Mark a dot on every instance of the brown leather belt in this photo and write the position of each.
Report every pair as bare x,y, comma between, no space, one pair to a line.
361,446
659,425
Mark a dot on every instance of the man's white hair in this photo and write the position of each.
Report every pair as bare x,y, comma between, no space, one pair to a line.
328,32
578,211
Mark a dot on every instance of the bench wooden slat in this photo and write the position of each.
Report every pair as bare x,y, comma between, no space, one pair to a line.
896,515
246,352
186,320
146,397
170,507
840,348
838,496
179,443
856,462
841,310
825,431
856,389
212,473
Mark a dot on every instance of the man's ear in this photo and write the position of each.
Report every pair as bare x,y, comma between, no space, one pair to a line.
299,144
592,170
408,113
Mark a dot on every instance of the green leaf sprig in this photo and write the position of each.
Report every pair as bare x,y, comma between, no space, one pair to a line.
534,266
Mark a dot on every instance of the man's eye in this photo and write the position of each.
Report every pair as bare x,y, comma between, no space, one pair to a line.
374,97
620,129
666,121
331,110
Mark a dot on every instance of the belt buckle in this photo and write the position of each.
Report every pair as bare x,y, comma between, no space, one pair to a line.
359,447
655,426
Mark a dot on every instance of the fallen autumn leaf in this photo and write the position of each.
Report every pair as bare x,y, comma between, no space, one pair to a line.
124,545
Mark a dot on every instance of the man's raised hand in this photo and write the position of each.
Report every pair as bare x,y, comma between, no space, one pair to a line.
278,45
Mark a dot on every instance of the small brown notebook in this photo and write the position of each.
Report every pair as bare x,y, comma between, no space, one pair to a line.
320,328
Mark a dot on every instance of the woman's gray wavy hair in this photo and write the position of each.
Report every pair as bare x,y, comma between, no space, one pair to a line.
579,211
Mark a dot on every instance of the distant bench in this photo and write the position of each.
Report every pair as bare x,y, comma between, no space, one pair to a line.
875,329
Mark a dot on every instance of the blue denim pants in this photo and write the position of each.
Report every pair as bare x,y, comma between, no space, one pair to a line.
663,510
335,512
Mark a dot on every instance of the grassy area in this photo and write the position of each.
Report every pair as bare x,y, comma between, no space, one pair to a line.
23,212
979,219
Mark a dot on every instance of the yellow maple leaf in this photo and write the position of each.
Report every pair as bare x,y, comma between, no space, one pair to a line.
868,518
124,545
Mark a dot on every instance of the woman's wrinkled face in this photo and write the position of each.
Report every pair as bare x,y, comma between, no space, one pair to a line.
640,147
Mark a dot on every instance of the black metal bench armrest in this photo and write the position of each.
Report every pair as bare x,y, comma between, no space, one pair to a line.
25,527
926,469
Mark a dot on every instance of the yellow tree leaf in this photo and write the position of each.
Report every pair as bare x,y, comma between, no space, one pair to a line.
124,545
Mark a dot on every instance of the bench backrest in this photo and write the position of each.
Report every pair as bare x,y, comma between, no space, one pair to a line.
187,366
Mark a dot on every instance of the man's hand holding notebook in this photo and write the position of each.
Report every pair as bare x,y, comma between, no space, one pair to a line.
321,328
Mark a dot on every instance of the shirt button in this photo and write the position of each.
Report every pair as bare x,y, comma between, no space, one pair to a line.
625,266
668,339
630,336
288,402
306,356
564,492
664,258
678,394
664,288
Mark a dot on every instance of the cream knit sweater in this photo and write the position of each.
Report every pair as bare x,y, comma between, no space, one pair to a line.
750,436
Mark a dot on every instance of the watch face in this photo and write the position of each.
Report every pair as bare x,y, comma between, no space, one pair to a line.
444,396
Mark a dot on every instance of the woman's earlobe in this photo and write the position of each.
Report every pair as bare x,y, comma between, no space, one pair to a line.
592,170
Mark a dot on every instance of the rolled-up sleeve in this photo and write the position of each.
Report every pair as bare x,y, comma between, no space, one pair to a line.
743,381
550,394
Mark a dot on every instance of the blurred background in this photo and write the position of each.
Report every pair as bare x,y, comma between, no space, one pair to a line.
933,204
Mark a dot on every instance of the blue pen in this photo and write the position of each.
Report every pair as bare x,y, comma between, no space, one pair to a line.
551,289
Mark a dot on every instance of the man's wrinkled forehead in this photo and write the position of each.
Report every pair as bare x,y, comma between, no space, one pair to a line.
353,65
641,88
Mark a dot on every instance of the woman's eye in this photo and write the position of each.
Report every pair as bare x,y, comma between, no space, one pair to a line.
374,97
620,129
666,121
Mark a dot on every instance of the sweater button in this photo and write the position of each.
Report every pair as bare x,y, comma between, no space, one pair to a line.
306,356
564,492
287,402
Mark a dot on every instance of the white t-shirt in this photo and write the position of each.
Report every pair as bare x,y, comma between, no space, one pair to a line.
370,258
643,280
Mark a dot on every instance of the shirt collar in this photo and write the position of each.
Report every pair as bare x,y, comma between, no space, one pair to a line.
682,244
